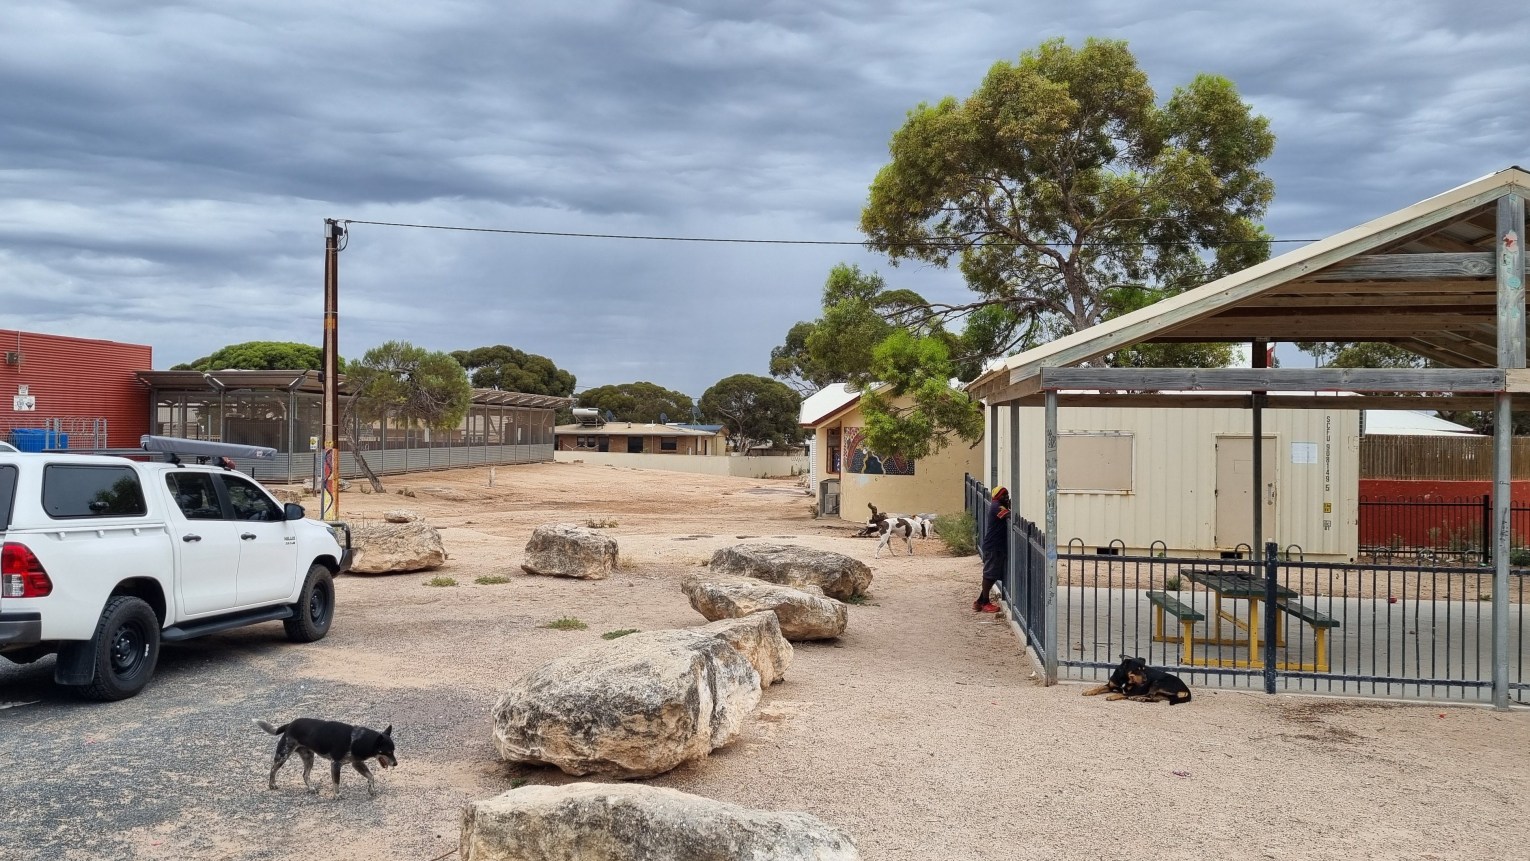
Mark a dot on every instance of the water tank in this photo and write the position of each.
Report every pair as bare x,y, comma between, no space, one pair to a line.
587,416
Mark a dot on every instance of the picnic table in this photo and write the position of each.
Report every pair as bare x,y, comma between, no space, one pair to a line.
1226,586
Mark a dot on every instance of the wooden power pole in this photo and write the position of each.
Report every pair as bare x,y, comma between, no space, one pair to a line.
329,465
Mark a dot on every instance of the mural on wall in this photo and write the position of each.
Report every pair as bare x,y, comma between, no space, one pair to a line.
863,461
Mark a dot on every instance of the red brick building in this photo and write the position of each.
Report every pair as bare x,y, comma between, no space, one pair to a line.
80,387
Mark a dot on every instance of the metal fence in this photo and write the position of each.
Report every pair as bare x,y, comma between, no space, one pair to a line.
1024,581
1438,530
1437,458
301,468
1414,631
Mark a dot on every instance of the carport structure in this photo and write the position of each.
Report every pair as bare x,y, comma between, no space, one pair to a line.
1444,279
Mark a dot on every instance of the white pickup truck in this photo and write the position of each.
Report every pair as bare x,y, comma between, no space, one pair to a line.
104,558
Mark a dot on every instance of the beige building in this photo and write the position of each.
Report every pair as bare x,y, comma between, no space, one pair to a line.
642,438
1181,478
847,476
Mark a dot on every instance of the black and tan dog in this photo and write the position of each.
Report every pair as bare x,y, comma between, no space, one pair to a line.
338,742
1117,681
1133,679
1147,685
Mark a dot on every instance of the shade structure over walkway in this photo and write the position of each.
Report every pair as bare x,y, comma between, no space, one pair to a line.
1443,278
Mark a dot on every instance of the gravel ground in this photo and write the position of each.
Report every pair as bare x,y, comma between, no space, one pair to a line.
921,731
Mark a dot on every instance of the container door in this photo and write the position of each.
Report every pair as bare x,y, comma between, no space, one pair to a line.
1235,491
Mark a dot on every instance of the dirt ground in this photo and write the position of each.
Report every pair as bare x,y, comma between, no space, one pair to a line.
922,731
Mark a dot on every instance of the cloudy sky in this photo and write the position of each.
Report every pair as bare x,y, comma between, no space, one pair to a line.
166,167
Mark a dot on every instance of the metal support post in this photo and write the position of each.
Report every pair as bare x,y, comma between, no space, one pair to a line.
1510,265
1049,614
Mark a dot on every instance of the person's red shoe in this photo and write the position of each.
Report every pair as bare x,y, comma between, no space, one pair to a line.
990,607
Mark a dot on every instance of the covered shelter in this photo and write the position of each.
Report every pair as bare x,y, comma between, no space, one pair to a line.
1443,278
282,409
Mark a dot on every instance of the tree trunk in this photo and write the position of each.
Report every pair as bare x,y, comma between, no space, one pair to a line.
361,461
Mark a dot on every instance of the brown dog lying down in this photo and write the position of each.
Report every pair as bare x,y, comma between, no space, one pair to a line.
1135,680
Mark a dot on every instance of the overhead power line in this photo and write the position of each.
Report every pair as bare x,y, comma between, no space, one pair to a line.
936,243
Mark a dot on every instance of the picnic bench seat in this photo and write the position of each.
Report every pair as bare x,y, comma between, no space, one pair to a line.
1186,614
1321,622
1311,616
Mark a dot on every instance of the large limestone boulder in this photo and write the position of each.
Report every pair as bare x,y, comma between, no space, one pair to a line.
382,548
837,575
758,638
632,707
805,613
566,550
402,515
635,822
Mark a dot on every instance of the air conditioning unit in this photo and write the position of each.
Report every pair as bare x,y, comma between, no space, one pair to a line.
13,357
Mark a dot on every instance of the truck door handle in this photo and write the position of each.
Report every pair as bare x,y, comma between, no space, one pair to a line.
248,536
191,538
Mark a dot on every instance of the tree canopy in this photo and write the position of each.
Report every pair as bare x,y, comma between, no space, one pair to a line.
754,410
1066,195
409,383
260,356
511,370
638,402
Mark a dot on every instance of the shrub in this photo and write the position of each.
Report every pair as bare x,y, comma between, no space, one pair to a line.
566,623
441,581
492,580
602,523
959,532
619,632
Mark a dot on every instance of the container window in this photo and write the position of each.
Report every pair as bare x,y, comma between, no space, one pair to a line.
1094,462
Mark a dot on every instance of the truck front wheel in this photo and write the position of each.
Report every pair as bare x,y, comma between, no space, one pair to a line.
126,645
315,607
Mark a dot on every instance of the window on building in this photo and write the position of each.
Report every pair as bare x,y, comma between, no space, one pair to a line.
634,445
669,443
1094,462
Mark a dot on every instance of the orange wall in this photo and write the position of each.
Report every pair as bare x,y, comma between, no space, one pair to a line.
76,378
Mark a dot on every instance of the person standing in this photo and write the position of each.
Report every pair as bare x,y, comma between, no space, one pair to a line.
995,549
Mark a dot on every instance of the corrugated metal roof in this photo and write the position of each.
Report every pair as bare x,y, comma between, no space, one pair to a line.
826,403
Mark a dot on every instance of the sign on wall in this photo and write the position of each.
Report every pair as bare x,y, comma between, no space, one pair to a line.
24,403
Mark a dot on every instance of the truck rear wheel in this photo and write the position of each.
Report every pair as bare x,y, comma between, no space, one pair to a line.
315,607
126,645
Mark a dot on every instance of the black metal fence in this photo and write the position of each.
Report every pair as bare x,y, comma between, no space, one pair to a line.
1024,583
1416,630
1437,530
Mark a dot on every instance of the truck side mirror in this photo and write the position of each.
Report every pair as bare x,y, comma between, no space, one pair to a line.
293,511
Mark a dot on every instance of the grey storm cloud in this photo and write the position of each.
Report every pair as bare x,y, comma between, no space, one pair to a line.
165,168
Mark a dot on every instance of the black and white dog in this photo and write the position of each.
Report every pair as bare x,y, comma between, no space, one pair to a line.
890,526
338,742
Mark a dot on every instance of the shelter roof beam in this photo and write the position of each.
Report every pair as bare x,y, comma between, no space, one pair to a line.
1470,380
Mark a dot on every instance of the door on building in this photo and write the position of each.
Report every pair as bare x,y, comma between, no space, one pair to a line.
1235,490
